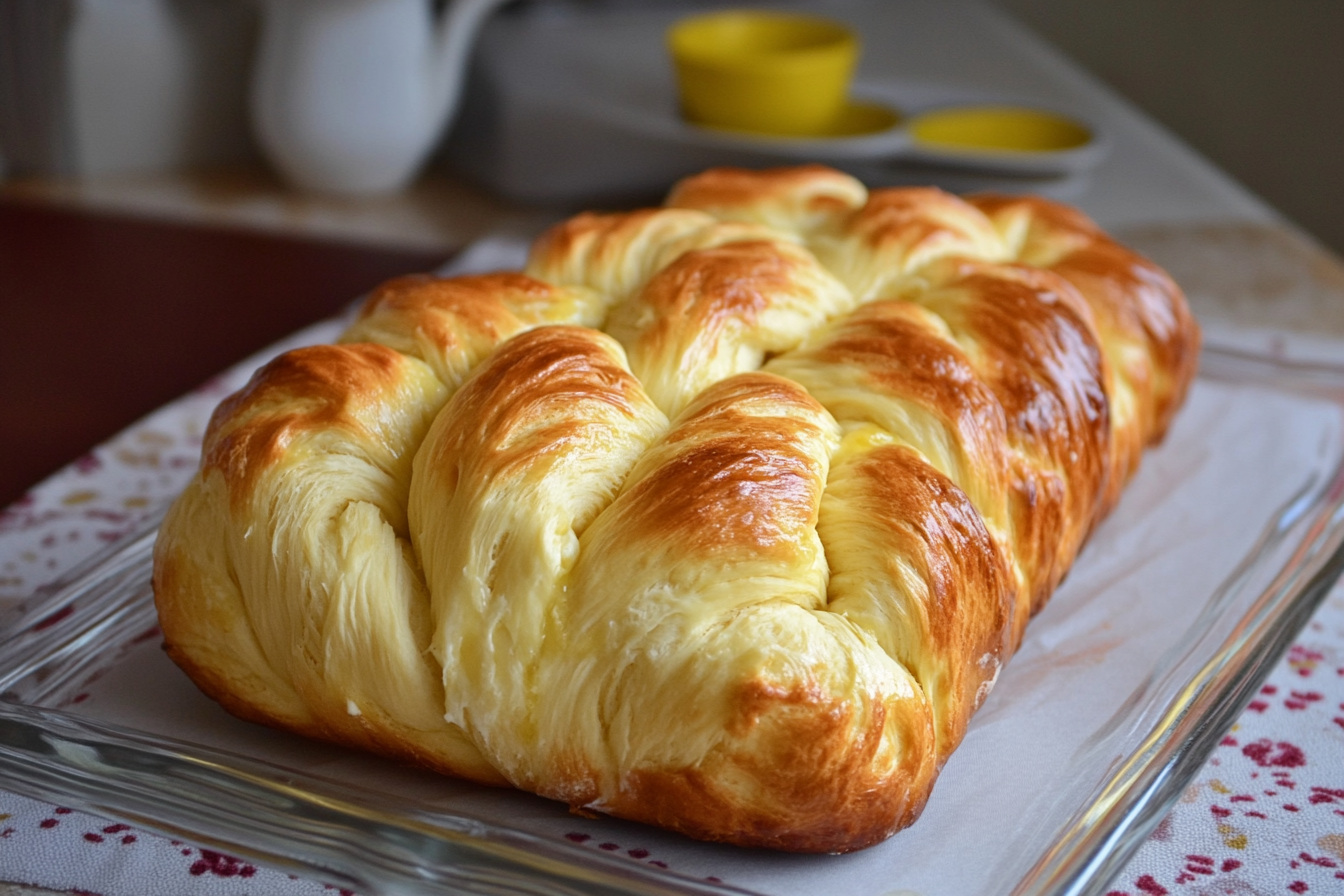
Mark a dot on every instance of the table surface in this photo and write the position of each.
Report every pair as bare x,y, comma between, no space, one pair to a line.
122,293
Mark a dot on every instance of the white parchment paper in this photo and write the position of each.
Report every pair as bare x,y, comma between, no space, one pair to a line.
1236,457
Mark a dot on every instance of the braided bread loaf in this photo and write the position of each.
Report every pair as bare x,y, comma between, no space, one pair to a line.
742,565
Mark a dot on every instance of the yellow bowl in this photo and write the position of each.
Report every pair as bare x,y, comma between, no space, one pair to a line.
765,72
998,129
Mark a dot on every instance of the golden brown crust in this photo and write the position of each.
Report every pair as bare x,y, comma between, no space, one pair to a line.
805,783
796,200
743,566
914,565
452,324
1150,339
740,482
1039,355
315,388
717,311
776,700
880,250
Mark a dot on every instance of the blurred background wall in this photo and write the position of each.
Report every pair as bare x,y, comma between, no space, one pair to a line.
1255,85
94,87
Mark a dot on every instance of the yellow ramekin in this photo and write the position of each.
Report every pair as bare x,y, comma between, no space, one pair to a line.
764,72
998,129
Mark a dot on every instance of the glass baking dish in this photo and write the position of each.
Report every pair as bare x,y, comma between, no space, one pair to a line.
1224,544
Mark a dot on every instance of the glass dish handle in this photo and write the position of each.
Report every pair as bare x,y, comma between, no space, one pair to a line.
67,619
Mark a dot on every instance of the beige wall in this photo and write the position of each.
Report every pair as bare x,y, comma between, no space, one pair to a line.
1255,85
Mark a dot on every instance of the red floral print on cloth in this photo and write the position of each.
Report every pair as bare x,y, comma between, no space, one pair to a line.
61,849
638,853
1265,815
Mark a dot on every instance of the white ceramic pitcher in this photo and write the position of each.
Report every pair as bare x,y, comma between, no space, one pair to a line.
350,96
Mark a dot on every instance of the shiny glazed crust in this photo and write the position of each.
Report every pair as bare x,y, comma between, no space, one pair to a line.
744,564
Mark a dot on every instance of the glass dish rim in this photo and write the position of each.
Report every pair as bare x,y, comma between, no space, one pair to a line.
327,834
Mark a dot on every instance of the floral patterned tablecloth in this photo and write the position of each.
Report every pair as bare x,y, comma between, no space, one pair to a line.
1264,816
